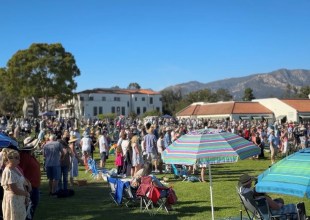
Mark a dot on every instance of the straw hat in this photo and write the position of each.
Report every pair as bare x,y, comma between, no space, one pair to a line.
72,139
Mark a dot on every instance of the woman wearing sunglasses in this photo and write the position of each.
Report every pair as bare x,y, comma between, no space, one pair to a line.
14,185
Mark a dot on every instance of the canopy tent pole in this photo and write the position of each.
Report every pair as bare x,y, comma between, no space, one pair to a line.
211,194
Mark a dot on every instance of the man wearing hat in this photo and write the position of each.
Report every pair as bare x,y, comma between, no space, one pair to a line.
277,205
31,169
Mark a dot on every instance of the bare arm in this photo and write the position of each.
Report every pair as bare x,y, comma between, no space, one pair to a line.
17,191
272,204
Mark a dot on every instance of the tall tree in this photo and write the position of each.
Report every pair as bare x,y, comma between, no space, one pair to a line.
223,95
304,92
43,71
170,99
9,102
134,86
248,95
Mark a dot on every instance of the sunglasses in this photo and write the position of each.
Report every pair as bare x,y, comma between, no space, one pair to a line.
16,158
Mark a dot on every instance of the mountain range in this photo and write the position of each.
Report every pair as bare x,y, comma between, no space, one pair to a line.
264,85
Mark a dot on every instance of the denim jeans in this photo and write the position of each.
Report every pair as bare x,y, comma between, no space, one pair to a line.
63,181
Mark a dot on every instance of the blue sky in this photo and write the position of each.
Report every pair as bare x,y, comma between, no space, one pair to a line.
158,43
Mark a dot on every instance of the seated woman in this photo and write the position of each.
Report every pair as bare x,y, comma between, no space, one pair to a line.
276,205
146,171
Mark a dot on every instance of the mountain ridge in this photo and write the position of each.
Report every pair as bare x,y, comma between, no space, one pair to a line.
264,85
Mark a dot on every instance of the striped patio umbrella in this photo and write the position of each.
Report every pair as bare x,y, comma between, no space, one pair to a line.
209,147
290,176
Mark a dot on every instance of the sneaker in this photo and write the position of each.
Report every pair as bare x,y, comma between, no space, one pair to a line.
156,171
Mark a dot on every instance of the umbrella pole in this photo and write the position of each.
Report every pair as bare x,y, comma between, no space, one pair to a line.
211,195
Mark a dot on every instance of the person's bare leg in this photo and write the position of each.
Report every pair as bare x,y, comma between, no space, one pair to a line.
202,174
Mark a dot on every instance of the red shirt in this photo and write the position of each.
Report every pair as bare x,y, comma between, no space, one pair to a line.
31,168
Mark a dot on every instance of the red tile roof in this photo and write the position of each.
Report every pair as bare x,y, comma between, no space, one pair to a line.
250,108
225,108
301,105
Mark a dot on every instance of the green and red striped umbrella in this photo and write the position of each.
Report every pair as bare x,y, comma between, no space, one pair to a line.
209,147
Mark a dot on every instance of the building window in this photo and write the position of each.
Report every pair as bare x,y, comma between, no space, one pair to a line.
82,113
144,109
157,109
160,99
90,98
100,110
117,99
104,98
123,110
138,111
136,99
127,104
81,98
143,99
151,100
113,110
95,110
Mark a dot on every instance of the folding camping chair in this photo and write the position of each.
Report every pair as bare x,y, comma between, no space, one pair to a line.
259,208
92,167
180,172
120,191
150,196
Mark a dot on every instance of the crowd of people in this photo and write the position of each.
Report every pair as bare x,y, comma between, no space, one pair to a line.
66,142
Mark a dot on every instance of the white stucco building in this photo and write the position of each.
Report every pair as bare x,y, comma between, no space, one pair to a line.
91,103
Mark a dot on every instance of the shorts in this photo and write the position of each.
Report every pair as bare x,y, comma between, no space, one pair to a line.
152,156
103,156
53,172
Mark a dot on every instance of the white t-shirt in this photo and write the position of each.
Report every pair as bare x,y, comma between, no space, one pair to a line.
103,144
86,144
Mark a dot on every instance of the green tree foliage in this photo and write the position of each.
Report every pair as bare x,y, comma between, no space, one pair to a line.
42,71
151,113
304,92
110,116
9,102
173,102
134,86
170,101
223,95
248,95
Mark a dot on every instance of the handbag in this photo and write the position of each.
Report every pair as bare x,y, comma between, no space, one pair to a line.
172,197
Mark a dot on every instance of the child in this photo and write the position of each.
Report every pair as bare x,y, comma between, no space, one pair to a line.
119,159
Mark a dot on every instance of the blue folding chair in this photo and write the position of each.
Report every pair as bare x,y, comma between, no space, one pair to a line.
180,172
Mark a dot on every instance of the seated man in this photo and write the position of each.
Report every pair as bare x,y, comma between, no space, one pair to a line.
276,206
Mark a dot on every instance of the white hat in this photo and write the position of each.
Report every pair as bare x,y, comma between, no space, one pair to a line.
29,143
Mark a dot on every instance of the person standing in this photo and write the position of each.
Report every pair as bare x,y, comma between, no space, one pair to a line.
150,146
13,183
65,164
74,172
31,169
85,143
103,148
52,152
273,144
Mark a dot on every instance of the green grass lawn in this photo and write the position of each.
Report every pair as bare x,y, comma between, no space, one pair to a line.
93,201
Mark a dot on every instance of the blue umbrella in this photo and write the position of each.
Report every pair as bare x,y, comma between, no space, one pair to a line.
289,176
6,141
